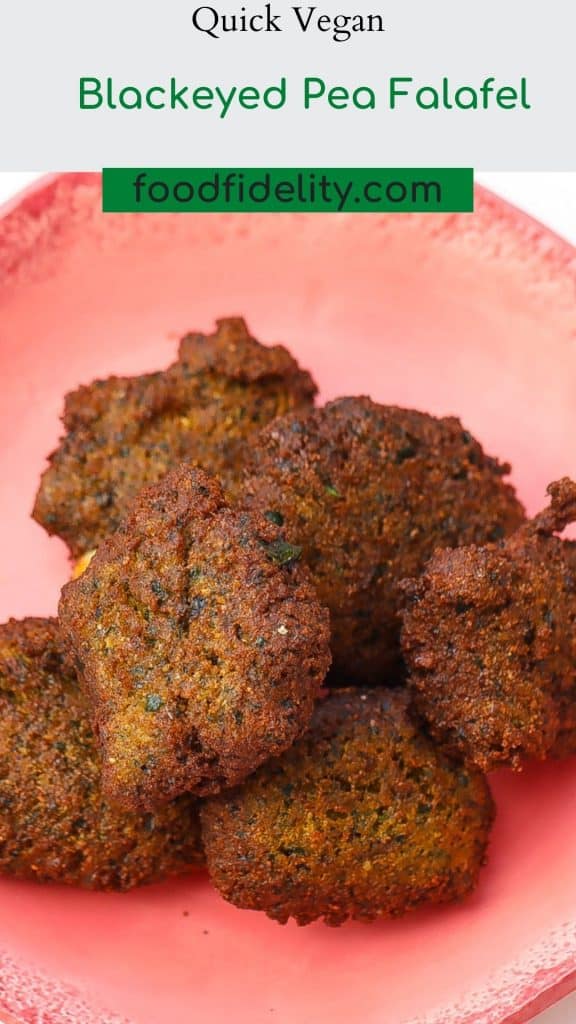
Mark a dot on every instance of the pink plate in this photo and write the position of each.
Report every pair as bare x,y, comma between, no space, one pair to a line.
468,314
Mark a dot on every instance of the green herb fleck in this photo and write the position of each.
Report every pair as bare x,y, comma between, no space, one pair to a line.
157,589
274,517
282,553
153,702
197,604
332,490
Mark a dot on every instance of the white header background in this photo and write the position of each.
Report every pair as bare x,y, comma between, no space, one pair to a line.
47,45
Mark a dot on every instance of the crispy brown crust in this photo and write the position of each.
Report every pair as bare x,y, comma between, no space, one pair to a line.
54,824
231,353
201,642
369,491
489,637
363,818
125,433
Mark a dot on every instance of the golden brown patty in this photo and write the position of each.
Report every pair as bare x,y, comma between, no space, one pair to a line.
124,433
369,492
490,641
54,823
200,641
362,818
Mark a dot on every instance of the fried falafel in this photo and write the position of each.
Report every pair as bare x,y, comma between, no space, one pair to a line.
369,492
54,823
363,818
489,637
200,641
125,433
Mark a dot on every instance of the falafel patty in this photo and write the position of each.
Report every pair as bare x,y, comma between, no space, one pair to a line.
489,638
126,432
55,826
363,818
200,641
370,491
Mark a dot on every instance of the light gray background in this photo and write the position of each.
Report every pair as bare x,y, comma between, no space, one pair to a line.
551,198
46,45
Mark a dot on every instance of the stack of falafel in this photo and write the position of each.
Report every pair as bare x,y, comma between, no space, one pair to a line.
304,636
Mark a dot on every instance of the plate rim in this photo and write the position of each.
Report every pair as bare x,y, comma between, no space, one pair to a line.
551,249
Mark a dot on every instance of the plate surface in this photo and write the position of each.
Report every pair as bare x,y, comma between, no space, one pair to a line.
466,314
